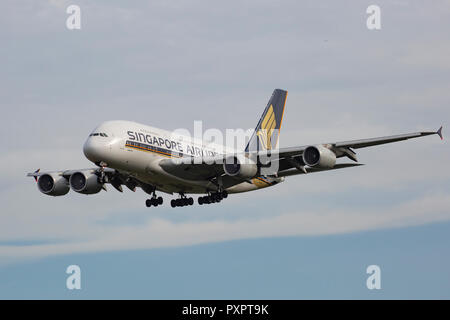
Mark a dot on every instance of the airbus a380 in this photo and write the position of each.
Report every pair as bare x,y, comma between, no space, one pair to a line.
136,155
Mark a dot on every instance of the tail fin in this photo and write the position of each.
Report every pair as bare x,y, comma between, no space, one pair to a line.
267,131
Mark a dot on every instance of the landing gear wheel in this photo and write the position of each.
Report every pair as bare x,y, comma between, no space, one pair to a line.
214,197
154,201
184,201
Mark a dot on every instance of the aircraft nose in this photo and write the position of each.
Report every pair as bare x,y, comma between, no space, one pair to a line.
95,150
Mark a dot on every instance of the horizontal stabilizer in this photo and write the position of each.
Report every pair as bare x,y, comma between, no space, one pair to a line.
294,171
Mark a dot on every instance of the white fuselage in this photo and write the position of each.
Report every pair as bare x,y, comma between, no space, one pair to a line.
137,149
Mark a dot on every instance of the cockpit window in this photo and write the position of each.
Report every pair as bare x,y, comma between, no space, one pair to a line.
96,134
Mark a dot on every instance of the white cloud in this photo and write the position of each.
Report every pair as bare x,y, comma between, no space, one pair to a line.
159,232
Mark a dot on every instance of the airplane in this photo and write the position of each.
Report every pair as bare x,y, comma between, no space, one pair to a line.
135,155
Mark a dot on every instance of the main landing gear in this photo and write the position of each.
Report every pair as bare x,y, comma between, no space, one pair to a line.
182,202
215,197
154,201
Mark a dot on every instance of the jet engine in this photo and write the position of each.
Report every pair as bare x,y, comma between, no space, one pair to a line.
85,182
319,156
240,166
53,184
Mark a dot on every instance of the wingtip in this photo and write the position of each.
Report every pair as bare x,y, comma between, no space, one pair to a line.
34,174
439,132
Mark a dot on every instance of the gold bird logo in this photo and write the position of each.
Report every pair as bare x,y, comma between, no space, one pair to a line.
267,128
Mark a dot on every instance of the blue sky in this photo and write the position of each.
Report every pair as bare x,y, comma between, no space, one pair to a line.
168,64
414,264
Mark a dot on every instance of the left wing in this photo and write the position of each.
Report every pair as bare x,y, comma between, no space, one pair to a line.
87,181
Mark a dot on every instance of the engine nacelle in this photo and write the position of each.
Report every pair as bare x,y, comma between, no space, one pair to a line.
240,166
85,182
53,184
319,156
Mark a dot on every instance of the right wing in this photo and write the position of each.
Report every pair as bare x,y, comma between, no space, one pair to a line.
288,161
361,143
356,144
292,156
